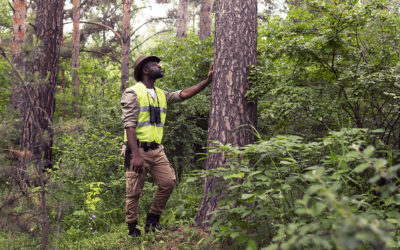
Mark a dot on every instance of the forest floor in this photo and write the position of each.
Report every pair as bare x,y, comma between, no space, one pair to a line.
177,238
173,238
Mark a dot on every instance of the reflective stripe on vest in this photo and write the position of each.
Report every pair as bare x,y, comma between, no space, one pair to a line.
145,131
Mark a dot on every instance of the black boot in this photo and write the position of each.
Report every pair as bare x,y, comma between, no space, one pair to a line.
152,222
133,231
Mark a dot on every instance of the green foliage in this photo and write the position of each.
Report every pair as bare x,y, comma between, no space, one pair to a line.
99,84
185,200
5,19
328,65
286,193
89,173
10,123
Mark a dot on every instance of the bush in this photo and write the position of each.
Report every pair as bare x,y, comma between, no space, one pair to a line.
289,194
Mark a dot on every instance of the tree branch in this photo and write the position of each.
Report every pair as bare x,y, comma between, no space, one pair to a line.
148,39
149,21
105,26
3,53
11,7
103,54
9,202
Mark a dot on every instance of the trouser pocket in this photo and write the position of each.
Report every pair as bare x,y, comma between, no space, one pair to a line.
134,184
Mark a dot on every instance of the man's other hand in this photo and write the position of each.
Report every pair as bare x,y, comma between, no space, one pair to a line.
137,164
210,73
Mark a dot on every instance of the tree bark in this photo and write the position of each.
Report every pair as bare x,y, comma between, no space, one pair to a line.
182,21
19,38
126,43
231,116
39,94
205,19
75,52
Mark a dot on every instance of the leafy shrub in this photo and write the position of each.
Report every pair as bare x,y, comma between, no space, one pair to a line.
90,174
289,194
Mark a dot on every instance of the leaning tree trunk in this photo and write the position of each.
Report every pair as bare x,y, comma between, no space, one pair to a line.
19,38
182,21
235,50
75,52
126,43
205,19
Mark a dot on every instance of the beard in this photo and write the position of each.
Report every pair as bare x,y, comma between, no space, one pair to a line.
156,74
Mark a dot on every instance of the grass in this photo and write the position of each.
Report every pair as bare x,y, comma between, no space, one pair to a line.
174,237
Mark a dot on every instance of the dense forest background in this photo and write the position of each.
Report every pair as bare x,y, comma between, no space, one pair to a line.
323,172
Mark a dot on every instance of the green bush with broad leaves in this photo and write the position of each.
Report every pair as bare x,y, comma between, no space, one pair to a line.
286,193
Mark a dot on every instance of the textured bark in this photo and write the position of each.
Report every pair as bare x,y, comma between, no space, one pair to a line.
126,43
235,50
205,19
19,38
39,95
182,21
75,51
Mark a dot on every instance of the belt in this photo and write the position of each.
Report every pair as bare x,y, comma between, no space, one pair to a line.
148,145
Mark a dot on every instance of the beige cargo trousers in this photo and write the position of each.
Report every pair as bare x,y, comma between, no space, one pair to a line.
156,163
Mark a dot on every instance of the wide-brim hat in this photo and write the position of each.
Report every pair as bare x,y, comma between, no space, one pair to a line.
137,66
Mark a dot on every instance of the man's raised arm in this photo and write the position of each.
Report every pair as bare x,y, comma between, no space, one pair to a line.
191,91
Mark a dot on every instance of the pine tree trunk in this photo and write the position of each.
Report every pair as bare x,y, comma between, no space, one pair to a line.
39,96
183,16
205,19
19,38
75,52
126,43
235,50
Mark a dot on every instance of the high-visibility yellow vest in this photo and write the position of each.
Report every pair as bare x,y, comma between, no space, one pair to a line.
145,131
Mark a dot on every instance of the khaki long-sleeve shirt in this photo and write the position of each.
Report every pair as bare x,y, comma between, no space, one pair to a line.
130,105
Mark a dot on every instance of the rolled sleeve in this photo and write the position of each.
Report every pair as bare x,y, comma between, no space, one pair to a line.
130,108
173,97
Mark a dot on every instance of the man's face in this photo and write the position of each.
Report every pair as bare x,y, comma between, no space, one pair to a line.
153,70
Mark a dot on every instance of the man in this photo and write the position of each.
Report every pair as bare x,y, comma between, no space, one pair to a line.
144,109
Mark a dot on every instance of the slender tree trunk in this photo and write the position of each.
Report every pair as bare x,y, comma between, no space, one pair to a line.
44,217
182,21
205,19
63,87
103,80
194,18
19,38
75,52
235,50
126,43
